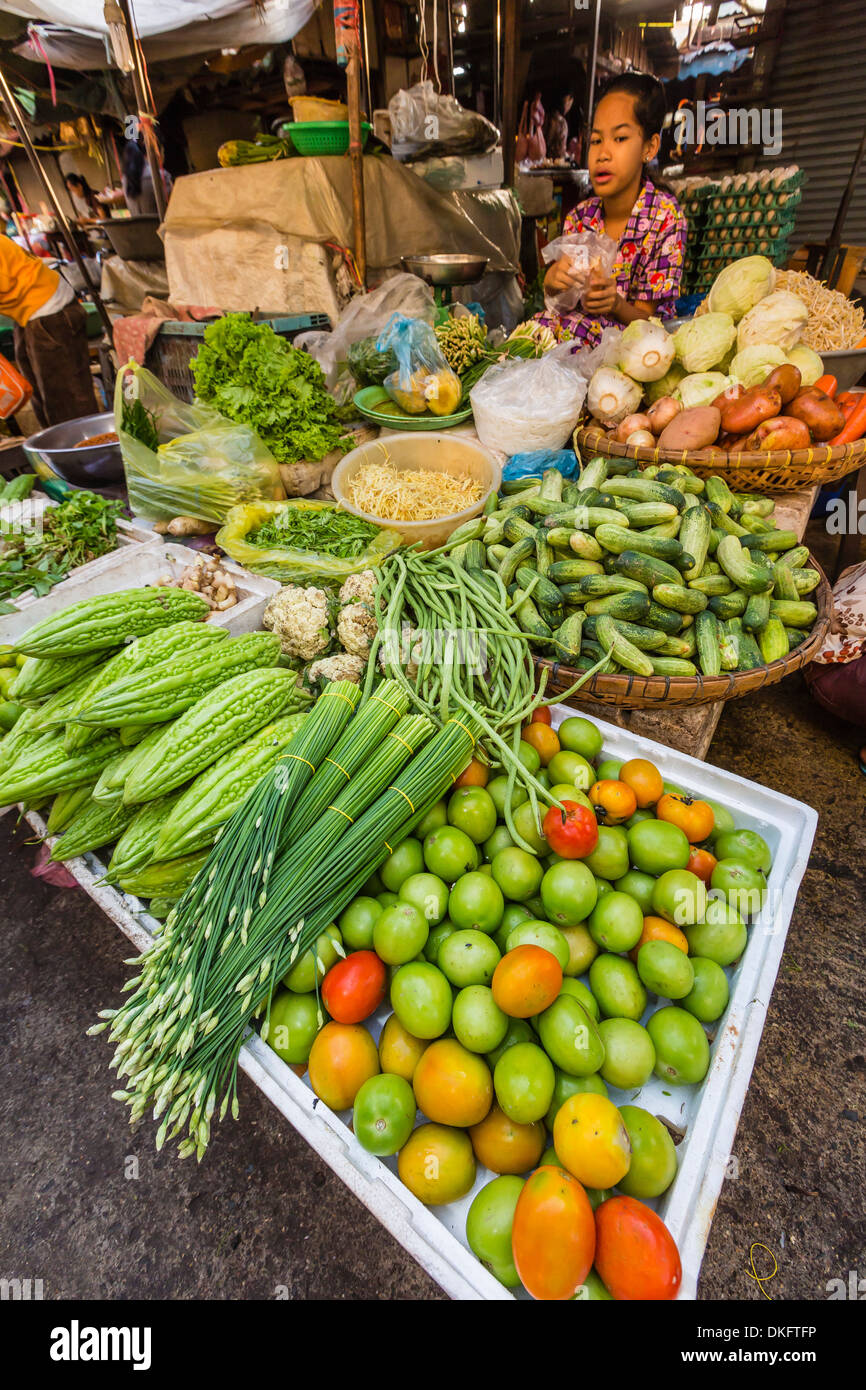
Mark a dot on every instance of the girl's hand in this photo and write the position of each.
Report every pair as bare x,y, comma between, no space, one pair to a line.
600,297
560,276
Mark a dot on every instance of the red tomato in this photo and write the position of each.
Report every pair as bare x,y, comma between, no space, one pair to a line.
553,1235
355,987
635,1253
541,715
701,862
574,834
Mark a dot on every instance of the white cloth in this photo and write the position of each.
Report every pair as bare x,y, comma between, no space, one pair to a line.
63,295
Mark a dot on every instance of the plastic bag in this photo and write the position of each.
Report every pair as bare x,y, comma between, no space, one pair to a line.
204,464
587,252
365,317
292,566
604,354
424,122
536,463
524,405
423,380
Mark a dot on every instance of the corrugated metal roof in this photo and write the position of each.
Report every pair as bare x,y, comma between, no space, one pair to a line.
819,82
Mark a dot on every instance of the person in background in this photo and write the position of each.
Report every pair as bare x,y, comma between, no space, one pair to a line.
82,197
644,220
50,335
556,134
137,180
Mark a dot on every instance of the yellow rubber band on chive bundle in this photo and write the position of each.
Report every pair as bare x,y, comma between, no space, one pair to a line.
401,740
405,797
454,720
338,694
387,705
341,813
347,775
298,759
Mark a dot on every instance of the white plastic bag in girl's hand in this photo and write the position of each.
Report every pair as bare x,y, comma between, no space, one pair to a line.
522,405
587,253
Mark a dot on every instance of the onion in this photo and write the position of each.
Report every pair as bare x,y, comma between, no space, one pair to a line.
661,414
644,438
630,424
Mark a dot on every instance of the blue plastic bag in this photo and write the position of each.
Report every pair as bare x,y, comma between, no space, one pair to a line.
423,380
533,464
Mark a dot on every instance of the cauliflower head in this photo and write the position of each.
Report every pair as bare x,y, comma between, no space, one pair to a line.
359,588
301,618
356,628
341,667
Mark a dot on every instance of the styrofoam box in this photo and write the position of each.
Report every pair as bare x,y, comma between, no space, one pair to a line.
708,1114
133,568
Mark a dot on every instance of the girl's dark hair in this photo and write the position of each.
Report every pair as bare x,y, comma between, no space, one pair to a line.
650,106
133,164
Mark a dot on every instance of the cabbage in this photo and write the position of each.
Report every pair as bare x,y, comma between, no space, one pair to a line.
778,319
741,285
612,395
702,343
666,385
753,364
646,350
701,388
808,363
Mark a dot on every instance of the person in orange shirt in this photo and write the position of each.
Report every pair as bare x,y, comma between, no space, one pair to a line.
50,335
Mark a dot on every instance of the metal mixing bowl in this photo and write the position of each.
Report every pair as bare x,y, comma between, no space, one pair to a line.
97,466
446,268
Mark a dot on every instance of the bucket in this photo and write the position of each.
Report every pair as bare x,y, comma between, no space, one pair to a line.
318,109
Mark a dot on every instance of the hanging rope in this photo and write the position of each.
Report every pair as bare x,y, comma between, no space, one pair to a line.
422,38
36,44
436,45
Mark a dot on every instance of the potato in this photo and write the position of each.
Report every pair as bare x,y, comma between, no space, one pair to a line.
692,429
665,409
786,380
784,432
816,409
744,414
734,392
629,425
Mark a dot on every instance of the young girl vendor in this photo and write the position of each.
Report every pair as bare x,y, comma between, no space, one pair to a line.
645,222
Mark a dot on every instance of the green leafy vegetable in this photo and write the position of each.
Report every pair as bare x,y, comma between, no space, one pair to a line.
251,375
327,531
140,423
79,529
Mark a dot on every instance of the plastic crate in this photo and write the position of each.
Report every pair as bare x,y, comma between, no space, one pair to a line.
323,137
176,344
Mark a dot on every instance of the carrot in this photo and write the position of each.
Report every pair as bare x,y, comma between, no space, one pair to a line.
855,425
828,384
847,404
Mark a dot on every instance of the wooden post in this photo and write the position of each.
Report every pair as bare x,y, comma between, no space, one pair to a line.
509,89
139,86
590,82
349,56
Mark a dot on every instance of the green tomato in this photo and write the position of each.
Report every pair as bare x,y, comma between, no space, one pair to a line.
708,997
529,829
665,969
641,814
638,886
529,757
549,1159
435,818
421,998
656,846
744,886
592,1290
514,914
499,840
629,1055
408,858
478,1022
357,921
436,938
617,986
468,958
582,950
372,887
518,1031
653,1156
616,923
609,770
449,853
293,1025
428,894
565,1086
497,790
384,1114
543,934
535,907
724,821
386,900
571,768
579,735
523,1080
569,893
680,897
744,845
488,1227
472,810
602,886
542,777
610,858
578,990
682,1050
311,968
564,791
570,1037
476,903
722,936
518,874
399,934
672,787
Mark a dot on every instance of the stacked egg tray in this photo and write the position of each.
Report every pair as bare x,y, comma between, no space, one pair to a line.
694,201
746,215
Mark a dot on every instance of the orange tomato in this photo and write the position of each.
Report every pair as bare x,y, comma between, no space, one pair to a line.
399,1050
591,1139
635,1254
452,1085
553,1234
614,802
543,739
474,774
526,980
644,779
437,1164
694,817
342,1058
701,862
541,715
657,929
504,1146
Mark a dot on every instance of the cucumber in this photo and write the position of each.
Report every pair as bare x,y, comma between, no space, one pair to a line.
707,640
665,530
771,540
784,583
543,553
630,606
645,490
749,656
806,580
543,591
546,506
694,536
795,636
711,584
794,613
588,518
514,486
595,472
729,648
551,484
646,639
756,525
566,640
722,522
728,606
672,666
617,539
519,554
599,585
757,611
516,529
648,513
567,571
685,482
755,505
496,554
685,645
773,641
718,492
751,575
559,537
648,569
796,558
665,619
678,597
530,621
621,649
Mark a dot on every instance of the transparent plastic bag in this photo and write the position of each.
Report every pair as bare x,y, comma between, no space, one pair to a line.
204,464
524,405
290,565
366,316
587,253
423,121
423,380
604,354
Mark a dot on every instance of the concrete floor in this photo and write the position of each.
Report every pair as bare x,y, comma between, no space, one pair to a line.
92,1210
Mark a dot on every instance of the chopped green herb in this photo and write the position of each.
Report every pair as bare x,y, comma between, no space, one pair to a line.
325,530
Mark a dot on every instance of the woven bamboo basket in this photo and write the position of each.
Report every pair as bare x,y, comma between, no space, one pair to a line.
628,691
762,471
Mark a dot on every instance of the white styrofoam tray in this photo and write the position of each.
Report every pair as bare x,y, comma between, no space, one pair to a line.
133,568
708,1113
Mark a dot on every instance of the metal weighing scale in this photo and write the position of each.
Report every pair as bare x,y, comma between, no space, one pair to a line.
444,270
